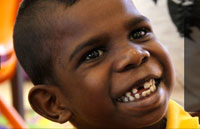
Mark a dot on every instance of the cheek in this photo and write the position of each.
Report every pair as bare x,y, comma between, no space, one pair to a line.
97,83
97,79
95,90
95,103
162,55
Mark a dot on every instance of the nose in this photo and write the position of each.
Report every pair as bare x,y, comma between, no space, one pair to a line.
130,58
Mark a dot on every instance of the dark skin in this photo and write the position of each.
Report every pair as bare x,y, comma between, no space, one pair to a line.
107,46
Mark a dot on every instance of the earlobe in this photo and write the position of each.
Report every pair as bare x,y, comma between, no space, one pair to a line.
64,117
49,102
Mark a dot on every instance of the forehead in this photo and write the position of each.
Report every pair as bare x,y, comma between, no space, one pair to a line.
103,9
89,13
88,18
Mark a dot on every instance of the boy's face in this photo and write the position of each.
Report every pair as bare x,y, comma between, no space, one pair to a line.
107,50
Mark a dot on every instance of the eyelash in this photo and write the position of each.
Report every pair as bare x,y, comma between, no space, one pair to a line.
94,54
139,33
98,52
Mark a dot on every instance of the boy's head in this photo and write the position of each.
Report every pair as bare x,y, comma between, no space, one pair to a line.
86,56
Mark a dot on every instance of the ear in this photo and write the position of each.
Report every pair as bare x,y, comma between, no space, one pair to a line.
49,102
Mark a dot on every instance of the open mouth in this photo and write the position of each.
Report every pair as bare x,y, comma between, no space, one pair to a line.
146,89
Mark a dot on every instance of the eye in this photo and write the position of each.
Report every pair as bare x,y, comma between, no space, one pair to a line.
139,33
94,54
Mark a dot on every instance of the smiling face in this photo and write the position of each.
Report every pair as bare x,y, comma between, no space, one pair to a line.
108,54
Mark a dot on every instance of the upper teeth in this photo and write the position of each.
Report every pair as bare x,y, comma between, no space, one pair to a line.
137,96
128,94
147,85
131,98
134,95
134,90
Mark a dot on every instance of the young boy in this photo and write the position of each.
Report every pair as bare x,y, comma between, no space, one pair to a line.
96,64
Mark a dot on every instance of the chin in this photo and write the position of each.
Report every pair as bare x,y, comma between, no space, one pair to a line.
154,117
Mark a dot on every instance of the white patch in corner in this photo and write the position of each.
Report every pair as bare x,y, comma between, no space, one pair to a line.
184,2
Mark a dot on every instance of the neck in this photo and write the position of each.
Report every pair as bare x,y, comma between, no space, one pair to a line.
160,125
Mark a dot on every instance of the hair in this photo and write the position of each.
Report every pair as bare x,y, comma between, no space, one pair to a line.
35,40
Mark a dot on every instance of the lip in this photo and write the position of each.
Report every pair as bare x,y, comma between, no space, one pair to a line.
148,104
137,84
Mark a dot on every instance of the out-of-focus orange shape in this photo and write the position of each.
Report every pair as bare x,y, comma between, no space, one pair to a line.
8,12
13,117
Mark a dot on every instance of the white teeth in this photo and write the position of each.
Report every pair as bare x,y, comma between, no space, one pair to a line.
128,94
125,99
144,93
148,92
134,95
131,98
153,82
134,91
147,85
152,89
137,96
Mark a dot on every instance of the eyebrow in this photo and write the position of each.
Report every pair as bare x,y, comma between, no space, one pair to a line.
90,42
136,20
96,39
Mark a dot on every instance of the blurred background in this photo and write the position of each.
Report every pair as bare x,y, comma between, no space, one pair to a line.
14,84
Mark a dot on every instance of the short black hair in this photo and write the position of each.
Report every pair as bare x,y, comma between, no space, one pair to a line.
34,39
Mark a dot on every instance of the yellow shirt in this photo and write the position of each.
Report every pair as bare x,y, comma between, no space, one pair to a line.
177,118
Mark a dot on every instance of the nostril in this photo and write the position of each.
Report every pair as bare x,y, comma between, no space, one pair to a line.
144,60
130,66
